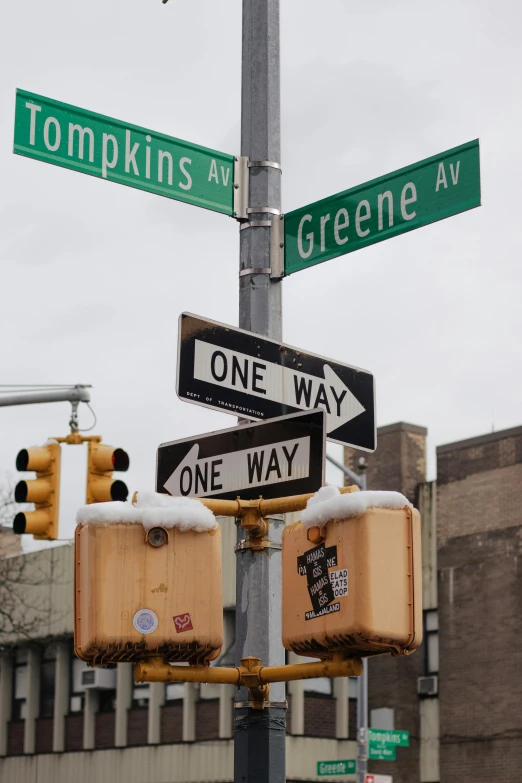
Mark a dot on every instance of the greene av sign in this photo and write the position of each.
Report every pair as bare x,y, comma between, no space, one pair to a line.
409,198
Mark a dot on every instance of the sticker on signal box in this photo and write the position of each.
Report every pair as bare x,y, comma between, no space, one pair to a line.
182,622
145,621
339,582
324,586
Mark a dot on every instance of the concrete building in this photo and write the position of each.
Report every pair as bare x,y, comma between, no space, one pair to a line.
10,544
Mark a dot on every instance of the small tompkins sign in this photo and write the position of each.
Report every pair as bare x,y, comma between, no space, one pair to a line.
81,140
346,767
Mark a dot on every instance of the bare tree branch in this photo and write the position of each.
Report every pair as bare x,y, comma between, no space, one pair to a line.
23,596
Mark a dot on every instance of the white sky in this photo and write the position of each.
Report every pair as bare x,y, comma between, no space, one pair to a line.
94,274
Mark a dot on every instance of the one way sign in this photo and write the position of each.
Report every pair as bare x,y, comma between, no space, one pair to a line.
283,456
239,372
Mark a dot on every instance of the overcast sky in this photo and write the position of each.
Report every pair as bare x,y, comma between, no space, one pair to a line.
94,275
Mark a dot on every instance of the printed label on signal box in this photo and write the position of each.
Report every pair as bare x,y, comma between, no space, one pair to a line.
324,587
339,582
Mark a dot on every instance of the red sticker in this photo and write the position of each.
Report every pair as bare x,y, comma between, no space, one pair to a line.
183,622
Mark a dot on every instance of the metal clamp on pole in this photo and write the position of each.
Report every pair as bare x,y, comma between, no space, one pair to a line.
264,164
255,224
262,210
241,184
277,247
256,270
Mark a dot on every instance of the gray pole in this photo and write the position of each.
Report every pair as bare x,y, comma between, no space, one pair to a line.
362,689
259,747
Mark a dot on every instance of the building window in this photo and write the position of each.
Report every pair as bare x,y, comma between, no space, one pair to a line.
319,685
140,694
174,691
431,641
47,681
77,699
20,685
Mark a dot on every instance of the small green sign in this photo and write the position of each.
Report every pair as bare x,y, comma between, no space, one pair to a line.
409,198
381,751
386,737
81,140
336,767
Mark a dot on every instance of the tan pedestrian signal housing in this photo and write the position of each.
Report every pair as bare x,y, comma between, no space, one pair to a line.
354,583
148,582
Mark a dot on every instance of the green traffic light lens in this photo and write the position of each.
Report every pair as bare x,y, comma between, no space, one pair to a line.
19,524
119,490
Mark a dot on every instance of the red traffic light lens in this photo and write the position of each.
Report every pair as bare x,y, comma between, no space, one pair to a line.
120,460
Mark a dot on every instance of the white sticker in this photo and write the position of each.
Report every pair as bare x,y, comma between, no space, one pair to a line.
339,582
145,621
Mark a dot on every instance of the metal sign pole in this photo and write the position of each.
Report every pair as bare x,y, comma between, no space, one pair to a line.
362,690
259,734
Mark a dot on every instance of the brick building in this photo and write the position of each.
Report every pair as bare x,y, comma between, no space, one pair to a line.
460,695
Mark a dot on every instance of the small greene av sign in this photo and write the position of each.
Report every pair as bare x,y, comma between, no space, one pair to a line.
74,138
346,767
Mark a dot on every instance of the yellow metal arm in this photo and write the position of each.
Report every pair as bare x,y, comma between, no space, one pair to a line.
252,512
250,674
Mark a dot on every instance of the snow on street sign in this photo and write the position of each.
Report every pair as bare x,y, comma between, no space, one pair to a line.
283,456
236,371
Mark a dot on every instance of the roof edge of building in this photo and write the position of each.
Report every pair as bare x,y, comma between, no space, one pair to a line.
402,426
490,437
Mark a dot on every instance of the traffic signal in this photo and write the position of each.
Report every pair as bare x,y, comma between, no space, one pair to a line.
102,461
44,492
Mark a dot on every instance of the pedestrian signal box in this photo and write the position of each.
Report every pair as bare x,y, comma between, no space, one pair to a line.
354,584
142,592
44,491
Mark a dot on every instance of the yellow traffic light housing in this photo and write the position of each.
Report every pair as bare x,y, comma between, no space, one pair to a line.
102,461
44,492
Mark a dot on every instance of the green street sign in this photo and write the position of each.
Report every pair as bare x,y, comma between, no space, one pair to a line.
336,767
381,752
386,737
81,140
409,198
